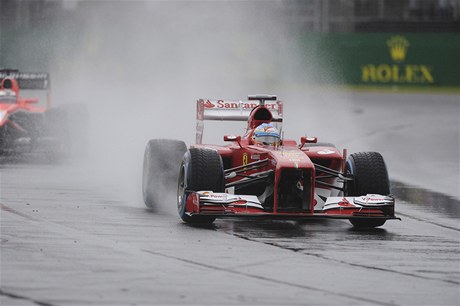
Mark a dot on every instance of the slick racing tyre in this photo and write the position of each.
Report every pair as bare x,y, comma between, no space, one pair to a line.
162,159
370,176
201,169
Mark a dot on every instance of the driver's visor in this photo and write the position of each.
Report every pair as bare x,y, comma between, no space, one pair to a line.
267,140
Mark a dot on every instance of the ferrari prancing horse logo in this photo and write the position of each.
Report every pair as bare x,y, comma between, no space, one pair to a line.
245,159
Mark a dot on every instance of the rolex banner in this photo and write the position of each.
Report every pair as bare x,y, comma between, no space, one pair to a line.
385,59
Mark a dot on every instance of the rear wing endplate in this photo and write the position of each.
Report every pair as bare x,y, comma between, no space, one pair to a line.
226,110
27,80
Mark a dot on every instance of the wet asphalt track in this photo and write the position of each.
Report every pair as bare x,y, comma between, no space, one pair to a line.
76,246
68,239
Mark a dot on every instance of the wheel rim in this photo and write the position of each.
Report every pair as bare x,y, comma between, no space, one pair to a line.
145,171
349,185
181,191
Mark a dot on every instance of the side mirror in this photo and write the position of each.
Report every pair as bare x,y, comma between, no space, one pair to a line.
232,138
304,140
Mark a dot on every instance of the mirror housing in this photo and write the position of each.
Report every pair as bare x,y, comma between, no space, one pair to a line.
305,139
232,138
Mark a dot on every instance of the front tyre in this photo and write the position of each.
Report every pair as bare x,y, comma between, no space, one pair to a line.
367,223
370,176
201,169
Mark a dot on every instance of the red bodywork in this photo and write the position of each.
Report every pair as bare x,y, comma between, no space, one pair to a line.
21,119
25,104
297,172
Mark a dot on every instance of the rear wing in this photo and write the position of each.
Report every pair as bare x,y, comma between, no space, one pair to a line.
227,110
27,80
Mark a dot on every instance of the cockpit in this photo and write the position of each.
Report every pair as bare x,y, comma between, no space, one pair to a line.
8,96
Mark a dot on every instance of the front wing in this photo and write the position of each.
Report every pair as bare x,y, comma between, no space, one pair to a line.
223,205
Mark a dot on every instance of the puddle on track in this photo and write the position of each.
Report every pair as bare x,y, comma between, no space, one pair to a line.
426,201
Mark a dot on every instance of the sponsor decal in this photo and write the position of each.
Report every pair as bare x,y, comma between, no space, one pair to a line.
345,203
374,200
222,104
196,199
294,156
245,159
25,76
208,104
255,156
211,195
230,190
325,152
398,46
398,71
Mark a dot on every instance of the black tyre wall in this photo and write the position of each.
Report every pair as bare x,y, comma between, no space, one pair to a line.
370,177
369,172
205,170
202,169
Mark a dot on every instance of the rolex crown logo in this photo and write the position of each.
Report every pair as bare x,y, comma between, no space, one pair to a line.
398,47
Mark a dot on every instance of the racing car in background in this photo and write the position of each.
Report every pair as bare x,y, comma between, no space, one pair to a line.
263,175
28,125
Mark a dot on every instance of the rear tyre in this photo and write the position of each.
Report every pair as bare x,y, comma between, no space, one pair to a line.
162,159
201,169
370,176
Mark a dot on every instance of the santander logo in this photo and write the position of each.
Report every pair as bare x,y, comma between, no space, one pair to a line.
221,104
209,104
345,203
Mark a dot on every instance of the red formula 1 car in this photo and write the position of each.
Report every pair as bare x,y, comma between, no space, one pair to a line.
29,125
263,175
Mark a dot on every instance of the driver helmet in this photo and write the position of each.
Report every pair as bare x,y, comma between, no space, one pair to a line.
266,134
